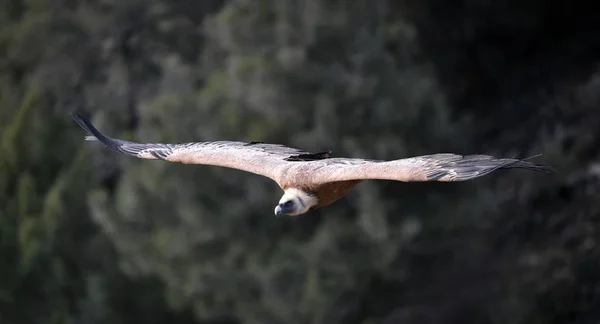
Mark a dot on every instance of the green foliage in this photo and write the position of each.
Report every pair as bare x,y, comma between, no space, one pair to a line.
90,236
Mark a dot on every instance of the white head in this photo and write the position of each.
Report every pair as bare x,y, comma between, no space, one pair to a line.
295,202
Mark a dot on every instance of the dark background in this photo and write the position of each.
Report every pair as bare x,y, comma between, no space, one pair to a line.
89,236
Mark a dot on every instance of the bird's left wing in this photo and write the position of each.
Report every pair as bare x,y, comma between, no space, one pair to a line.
269,160
444,167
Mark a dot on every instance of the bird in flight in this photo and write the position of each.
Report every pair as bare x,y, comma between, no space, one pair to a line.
310,180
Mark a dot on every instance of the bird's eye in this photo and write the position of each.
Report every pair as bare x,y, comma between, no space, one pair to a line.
288,203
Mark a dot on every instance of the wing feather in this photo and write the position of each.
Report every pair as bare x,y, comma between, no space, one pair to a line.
269,160
444,167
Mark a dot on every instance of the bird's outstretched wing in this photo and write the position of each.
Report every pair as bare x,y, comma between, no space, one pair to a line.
437,167
268,160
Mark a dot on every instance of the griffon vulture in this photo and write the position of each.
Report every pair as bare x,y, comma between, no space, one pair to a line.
310,180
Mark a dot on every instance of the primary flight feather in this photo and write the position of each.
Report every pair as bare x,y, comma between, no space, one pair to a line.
310,180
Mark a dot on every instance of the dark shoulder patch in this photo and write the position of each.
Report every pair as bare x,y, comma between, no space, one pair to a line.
309,156
253,143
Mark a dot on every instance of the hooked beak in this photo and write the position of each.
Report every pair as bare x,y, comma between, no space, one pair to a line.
278,210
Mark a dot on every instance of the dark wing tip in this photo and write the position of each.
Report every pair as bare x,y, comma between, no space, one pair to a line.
521,164
469,167
82,122
156,151
535,166
97,135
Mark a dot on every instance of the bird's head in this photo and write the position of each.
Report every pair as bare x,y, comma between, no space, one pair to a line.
295,202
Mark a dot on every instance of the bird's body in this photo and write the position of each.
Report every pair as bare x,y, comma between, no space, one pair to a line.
311,180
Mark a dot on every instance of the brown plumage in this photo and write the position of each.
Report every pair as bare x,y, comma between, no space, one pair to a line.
311,180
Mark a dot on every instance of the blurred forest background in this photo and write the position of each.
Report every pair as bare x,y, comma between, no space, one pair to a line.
90,236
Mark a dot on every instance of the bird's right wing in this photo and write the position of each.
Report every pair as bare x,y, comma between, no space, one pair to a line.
445,167
268,160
